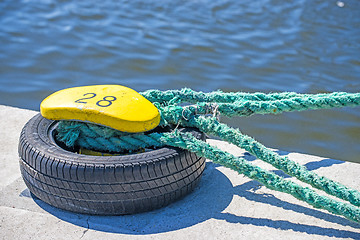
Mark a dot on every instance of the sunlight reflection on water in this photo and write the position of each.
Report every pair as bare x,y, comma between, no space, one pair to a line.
265,45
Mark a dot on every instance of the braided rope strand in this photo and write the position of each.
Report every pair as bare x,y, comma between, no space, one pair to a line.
257,149
247,107
290,167
269,179
289,105
191,96
237,138
101,138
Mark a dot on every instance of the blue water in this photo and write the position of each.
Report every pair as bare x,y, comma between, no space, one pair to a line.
258,45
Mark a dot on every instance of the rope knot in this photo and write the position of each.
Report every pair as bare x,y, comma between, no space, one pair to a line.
229,104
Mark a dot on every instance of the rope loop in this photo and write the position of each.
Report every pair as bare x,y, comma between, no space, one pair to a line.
203,113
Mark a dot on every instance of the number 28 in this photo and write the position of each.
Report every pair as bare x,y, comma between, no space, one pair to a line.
105,102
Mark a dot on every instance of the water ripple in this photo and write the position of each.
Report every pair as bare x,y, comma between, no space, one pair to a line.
264,45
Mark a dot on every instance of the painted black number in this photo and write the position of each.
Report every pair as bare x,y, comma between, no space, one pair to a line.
92,95
106,101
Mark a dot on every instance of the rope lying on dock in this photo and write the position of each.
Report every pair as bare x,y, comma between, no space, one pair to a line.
203,115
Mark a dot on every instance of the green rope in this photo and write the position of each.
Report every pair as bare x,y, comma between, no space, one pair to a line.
101,138
288,166
248,107
269,179
191,96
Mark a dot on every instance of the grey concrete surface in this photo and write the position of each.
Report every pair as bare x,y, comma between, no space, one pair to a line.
225,205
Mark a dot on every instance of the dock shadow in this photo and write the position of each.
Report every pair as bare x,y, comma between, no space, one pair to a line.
313,165
327,162
209,200
212,196
286,225
249,189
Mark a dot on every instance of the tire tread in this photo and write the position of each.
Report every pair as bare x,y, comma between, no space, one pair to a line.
104,185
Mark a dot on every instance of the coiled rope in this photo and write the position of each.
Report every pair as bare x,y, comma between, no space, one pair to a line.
203,115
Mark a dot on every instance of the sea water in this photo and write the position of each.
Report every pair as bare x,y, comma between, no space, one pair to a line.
249,45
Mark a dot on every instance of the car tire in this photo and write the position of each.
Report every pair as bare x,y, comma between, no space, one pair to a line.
104,185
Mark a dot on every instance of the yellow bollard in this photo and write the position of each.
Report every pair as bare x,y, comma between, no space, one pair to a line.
114,106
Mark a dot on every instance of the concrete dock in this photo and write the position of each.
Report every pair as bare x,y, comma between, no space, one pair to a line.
225,205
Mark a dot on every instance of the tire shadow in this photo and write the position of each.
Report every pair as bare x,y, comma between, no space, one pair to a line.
209,200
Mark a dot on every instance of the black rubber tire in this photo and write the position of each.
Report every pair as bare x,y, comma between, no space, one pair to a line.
105,185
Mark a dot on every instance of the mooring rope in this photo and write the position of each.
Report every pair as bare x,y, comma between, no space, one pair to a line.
189,95
101,138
